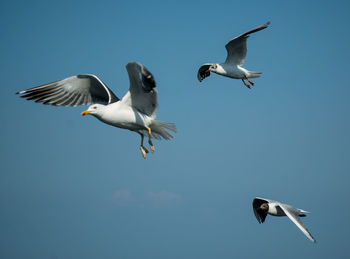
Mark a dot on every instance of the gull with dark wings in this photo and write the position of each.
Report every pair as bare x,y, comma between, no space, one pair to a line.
262,207
232,67
136,111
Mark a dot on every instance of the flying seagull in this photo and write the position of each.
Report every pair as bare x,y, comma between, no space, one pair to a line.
232,67
262,207
136,111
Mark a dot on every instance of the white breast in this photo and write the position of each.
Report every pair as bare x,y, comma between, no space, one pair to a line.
124,116
272,209
230,70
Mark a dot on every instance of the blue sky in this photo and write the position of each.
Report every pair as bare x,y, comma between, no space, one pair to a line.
72,187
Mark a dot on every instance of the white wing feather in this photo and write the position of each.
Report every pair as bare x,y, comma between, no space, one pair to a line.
237,47
76,90
292,214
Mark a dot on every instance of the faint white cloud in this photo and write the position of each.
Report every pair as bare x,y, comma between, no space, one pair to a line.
163,198
123,197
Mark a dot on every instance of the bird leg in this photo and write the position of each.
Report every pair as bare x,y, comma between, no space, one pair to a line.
250,82
247,85
151,145
149,139
144,151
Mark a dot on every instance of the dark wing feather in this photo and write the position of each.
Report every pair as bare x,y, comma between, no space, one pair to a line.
203,72
259,214
142,94
75,90
237,47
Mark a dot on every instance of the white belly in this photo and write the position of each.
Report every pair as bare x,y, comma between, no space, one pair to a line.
125,117
232,71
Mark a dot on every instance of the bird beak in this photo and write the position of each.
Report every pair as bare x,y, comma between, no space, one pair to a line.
85,113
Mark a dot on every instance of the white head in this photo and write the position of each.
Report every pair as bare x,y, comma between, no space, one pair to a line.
94,109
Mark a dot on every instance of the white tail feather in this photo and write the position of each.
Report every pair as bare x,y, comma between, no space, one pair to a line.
252,74
161,129
304,211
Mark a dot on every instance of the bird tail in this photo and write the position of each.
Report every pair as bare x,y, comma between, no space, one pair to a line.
302,213
252,74
161,129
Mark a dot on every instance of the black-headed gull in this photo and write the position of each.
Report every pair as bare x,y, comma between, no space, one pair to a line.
262,207
136,111
232,67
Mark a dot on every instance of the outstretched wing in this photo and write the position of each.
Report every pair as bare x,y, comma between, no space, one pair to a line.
237,47
293,215
203,72
142,94
259,214
75,90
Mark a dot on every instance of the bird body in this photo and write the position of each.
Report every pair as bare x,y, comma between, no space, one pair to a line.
275,210
136,111
233,71
122,116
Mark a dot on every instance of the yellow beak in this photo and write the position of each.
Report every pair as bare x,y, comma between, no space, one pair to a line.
85,113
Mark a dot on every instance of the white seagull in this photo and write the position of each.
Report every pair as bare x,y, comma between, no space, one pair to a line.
262,207
136,111
232,67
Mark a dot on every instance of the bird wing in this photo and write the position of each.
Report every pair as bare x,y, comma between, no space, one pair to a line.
237,47
293,215
142,94
203,72
75,90
260,215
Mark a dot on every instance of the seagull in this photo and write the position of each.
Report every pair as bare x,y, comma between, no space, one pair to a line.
262,207
136,111
232,67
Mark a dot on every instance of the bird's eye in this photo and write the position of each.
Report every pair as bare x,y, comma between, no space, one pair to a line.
94,107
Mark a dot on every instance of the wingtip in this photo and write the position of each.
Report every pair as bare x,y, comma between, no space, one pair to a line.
312,239
305,211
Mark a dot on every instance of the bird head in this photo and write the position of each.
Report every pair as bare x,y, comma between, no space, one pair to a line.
93,110
204,71
212,67
264,207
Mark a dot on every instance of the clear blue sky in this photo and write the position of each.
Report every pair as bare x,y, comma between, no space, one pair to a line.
72,187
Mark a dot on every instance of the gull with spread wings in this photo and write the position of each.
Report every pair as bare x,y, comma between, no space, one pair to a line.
262,207
136,111
232,67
